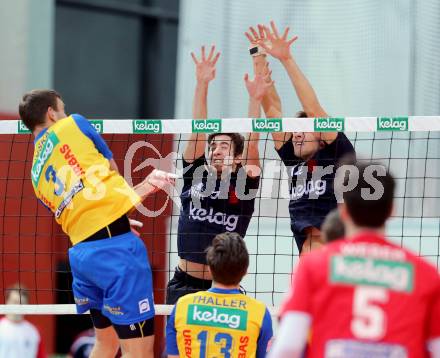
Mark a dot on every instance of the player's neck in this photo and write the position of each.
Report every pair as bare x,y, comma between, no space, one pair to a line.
352,230
39,129
225,287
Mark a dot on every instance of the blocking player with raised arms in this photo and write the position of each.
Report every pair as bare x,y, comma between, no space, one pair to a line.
363,296
220,322
304,154
75,176
218,193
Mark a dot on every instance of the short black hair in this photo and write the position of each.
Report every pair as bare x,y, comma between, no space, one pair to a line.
332,228
236,138
228,258
34,105
301,114
368,211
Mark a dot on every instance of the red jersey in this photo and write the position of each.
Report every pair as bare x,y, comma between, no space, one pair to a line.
367,298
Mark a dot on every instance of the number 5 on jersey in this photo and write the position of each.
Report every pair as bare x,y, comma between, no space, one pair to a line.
369,320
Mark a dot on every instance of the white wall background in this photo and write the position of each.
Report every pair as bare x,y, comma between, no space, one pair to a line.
26,47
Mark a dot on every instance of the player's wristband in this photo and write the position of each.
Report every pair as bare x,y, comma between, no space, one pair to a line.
255,51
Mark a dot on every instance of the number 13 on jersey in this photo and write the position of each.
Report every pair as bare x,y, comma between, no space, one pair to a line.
222,340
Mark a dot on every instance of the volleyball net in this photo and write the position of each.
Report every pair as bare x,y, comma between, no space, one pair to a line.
33,250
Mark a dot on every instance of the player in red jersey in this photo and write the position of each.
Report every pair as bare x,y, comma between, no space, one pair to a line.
363,296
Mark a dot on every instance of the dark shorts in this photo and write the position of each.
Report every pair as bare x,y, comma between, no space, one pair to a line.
182,284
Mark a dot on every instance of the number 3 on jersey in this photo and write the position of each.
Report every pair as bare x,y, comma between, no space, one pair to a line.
222,339
369,320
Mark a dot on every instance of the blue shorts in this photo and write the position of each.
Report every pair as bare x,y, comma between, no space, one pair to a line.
113,275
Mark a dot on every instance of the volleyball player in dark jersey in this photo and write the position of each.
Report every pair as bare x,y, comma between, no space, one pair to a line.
219,189
305,155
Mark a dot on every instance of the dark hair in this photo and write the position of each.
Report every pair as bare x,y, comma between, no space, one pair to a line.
236,138
20,289
332,228
370,212
228,258
301,114
34,105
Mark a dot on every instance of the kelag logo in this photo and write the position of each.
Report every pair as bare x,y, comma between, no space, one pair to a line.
98,125
22,128
352,270
329,124
147,126
267,125
392,123
206,125
220,317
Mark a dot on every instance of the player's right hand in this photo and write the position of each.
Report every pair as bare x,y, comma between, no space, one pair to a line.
205,67
279,45
161,180
258,88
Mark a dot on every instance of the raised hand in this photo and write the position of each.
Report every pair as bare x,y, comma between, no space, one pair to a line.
205,67
258,88
254,37
279,45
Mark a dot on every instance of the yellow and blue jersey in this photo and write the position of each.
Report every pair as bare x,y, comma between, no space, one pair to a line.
219,323
71,176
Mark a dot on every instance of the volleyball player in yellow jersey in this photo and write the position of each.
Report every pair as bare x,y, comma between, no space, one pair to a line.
220,322
75,176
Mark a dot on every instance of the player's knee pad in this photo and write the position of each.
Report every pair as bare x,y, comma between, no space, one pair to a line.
135,330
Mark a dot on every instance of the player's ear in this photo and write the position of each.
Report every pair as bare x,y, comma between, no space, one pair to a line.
51,115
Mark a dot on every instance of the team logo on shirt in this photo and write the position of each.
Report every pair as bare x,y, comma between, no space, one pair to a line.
219,218
352,270
43,156
220,317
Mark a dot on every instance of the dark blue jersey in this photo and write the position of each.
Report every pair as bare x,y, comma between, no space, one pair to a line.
312,196
212,206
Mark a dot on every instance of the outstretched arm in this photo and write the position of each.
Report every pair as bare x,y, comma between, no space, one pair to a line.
280,49
271,101
257,89
205,72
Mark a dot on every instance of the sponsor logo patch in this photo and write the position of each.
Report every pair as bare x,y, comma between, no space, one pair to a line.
43,156
352,270
329,124
267,125
220,317
146,126
206,125
392,124
144,306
